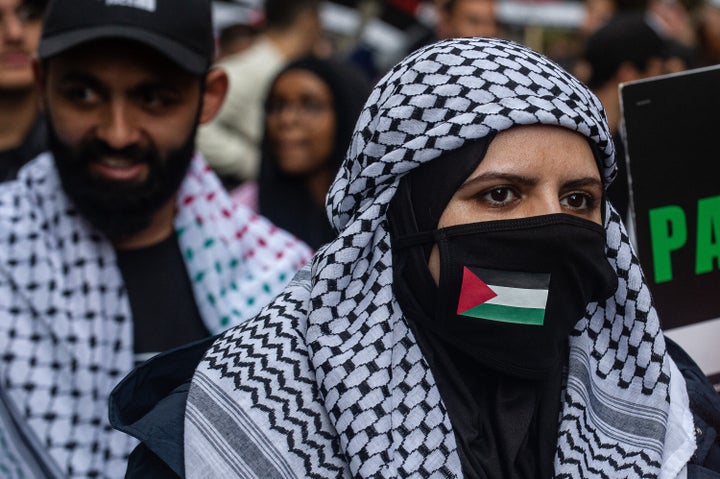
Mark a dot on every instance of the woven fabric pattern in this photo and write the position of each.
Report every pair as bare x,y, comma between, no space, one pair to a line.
330,371
65,322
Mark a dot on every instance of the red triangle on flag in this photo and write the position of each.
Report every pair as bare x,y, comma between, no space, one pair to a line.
473,291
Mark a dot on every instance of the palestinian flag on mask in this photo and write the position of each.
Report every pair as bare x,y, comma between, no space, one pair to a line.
505,296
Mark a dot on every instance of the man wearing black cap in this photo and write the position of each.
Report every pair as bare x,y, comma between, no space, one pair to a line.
120,242
626,48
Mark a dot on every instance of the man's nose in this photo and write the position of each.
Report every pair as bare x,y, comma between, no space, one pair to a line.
117,127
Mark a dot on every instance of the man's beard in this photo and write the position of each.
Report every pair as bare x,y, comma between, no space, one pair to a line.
119,209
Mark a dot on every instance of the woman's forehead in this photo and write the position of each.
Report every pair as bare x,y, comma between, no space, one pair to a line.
536,150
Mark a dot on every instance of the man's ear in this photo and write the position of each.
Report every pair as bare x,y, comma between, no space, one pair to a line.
216,86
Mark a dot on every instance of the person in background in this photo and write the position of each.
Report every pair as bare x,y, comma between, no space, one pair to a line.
22,129
481,313
120,242
231,141
708,33
673,20
596,14
624,49
461,18
310,112
234,39
467,18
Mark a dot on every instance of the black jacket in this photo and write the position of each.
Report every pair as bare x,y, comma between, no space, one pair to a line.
149,404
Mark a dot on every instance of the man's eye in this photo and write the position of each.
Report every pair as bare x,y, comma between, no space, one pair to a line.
152,98
29,13
84,95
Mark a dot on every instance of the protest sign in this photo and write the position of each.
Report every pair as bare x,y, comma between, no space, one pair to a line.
672,139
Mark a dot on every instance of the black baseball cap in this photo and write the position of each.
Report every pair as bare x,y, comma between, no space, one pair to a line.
181,30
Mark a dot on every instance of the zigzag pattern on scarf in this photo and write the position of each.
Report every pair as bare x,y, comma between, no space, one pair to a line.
589,455
617,342
273,391
245,356
626,338
370,385
578,461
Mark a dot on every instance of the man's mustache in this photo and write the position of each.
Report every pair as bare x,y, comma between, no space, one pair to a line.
97,149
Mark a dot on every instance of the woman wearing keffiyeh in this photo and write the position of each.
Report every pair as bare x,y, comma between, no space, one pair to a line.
481,313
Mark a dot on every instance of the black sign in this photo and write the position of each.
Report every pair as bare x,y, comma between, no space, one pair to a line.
672,136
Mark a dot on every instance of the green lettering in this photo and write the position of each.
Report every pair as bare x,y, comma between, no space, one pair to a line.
668,232
708,235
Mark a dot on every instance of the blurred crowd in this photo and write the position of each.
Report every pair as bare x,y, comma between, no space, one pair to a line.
615,41
295,138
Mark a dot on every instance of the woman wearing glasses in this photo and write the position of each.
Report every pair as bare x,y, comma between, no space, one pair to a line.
310,110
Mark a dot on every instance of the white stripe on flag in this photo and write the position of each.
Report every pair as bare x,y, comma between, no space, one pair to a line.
518,297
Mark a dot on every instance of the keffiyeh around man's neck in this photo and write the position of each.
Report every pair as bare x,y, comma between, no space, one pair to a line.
65,323
349,391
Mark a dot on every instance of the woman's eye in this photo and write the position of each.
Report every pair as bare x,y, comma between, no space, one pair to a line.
275,107
312,106
499,196
578,201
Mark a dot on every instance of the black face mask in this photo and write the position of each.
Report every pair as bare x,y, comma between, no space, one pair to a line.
511,291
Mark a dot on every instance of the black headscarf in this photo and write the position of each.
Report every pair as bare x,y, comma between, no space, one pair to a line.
284,199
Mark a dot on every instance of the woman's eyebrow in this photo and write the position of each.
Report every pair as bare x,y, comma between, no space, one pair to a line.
584,182
494,176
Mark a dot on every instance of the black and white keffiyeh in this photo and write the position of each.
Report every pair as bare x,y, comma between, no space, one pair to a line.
65,323
328,381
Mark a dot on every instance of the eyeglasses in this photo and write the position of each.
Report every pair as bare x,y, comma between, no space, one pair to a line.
305,109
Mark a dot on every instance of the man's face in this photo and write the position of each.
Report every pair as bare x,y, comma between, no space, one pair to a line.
471,18
122,122
20,26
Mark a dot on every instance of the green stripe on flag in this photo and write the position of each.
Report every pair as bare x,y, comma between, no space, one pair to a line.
507,314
